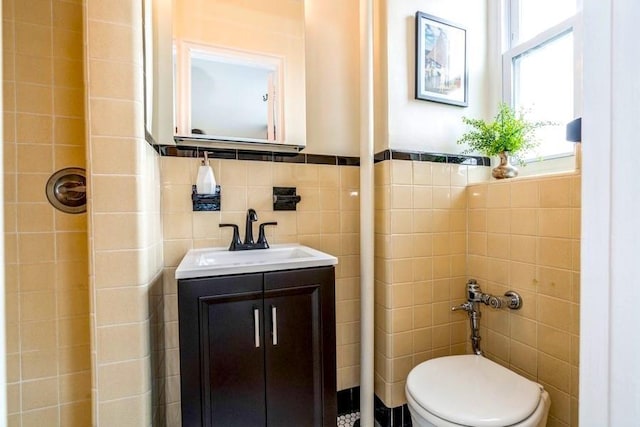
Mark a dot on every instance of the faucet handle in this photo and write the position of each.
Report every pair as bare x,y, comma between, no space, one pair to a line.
467,306
235,240
262,238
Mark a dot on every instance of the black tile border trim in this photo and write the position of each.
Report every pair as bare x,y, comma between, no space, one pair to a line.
255,155
459,159
317,159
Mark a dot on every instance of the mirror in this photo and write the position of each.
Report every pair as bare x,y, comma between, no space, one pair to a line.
239,71
229,95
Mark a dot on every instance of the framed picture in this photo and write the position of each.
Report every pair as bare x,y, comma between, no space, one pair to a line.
441,61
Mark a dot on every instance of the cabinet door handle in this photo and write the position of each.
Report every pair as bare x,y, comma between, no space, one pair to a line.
274,324
256,326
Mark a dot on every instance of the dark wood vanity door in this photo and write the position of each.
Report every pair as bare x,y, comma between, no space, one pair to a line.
233,361
301,368
292,361
221,369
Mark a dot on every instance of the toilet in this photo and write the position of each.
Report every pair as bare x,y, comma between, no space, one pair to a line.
471,390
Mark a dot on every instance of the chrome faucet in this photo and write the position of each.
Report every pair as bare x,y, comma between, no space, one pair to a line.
475,296
248,244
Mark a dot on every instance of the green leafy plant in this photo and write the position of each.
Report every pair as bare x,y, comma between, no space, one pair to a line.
509,131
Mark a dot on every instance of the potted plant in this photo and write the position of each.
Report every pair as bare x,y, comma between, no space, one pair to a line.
508,135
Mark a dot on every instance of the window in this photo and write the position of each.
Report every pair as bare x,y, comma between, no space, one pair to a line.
541,68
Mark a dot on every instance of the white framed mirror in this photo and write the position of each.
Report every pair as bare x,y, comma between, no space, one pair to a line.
229,95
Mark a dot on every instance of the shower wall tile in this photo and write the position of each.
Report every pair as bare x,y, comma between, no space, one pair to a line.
46,260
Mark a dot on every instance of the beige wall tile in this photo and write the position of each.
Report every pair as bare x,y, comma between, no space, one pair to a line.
555,313
422,197
555,252
498,245
498,220
116,231
117,118
478,243
477,196
498,195
555,222
441,174
422,173
121,305
73,331
125,379
33,69
401,221
39,417
401,172
525,221
75,387
37,306
555,193
122,342
554,342
477,220
554,372
77,414
459,175
67,44
114,79
523,276
39,393
32,39
111,42
422,221
119,11
71,131
525,194
33,128
401,197
39,364
523,248
124,412
68,72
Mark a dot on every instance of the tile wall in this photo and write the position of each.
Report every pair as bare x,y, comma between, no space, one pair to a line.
420,262
125,240
524,235
47,312
327,219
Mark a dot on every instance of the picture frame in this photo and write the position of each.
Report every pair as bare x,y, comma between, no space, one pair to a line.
441,61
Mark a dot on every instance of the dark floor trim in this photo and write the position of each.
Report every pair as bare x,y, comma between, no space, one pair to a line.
391,417
349,401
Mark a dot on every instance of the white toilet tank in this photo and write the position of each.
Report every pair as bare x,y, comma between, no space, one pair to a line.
471,390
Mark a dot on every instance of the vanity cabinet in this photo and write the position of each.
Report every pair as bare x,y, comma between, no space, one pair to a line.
258,349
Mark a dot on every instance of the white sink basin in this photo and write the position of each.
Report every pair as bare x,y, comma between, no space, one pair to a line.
220,261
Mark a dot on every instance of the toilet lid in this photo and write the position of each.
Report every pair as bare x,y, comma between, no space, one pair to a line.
473,391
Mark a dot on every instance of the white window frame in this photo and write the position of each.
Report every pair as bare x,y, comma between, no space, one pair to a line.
513,50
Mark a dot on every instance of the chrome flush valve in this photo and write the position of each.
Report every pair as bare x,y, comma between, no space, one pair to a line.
511,299
475,296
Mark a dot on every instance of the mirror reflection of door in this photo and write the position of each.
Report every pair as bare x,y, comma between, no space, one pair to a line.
230,95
